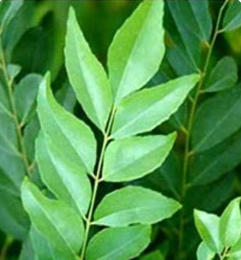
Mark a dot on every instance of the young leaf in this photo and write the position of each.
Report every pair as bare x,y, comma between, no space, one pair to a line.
204,252
130,67
208,228
25,96
65,131
235,252
230,224
146,109
224,111
223,76
54,220
134,205
119,243
87,75
232,18
132,158
63,176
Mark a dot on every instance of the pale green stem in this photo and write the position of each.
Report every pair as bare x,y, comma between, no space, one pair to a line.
187,151
97,180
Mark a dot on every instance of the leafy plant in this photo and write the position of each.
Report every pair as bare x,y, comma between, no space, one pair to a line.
99,151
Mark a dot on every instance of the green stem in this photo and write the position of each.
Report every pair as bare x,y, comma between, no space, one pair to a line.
8,242
194,104
14,116
97,181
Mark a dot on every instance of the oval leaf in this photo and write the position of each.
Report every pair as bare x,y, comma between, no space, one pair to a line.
232,18
204,252
59,224
134,205
144,110
119,243
87,75
208,229
224,112
67,132
132,158
63,176
129,66
230,224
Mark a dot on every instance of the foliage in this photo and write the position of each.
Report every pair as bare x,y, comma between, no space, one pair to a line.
136,124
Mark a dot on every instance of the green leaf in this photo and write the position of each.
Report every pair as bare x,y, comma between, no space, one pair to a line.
223,76
156,255
54,220
212,164
25,96
65,131
44,250
208,229
134,205
235,252
14,220
63,176
87,75
119,243
232,18
144,110
8,9
204,252
130,68
13,70
230,224
224,112
132,158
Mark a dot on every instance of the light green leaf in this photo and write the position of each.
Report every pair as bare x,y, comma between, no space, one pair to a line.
224,112
235,252
204,252
208,229
87,75
61,226
119,243
130,67
230,224
63,176
156,255
132,158
223,76
232,18
66,132
144,110
44,249
134,205
25,96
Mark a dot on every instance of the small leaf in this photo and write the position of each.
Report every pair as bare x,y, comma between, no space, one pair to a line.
224,112
204,252
87,75
129,66
235,252
223,76
119,243
144,110
230,224
132,158
208,228
25,96
65,131
13,70
134,205
63,176
232,18
54,220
